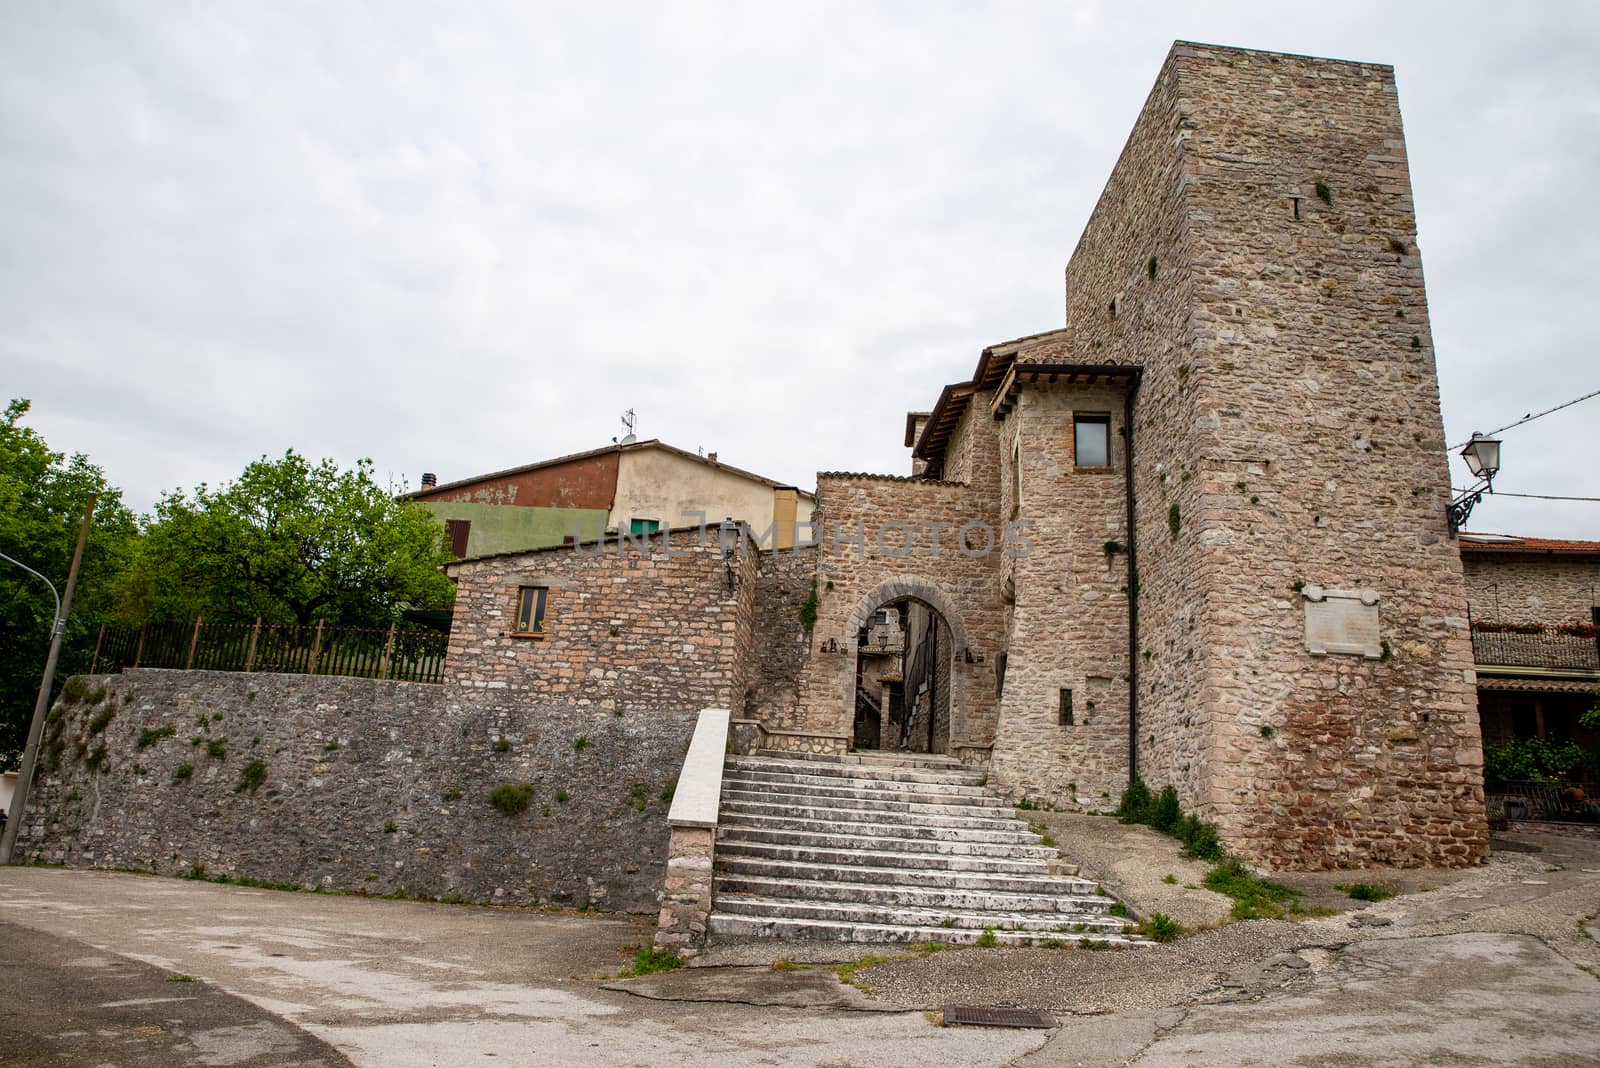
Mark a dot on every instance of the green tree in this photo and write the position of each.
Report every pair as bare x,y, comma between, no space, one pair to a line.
290,542
42,498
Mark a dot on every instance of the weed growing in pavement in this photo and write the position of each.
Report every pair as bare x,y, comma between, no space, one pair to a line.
1159,927
787,966
650,959
987,939
847,971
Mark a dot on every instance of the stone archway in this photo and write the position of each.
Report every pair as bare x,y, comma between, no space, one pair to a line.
900,588
907,635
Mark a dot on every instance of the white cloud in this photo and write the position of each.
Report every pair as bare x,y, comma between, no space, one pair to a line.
458,239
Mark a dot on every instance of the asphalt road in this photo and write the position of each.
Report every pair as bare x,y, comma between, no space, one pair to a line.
1496,965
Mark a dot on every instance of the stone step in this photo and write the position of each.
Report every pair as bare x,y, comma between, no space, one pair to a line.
868,799
800,872
729,884
952,863
732,925
833,836
738,805
789,779
1061,923
866,790
956,776
840,822
870,758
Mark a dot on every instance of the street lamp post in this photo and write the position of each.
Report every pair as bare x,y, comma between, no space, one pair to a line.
30,754
1482,455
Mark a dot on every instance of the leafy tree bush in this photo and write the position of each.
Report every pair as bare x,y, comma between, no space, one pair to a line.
1164,813
43,495
291,542
1531,758
1135,804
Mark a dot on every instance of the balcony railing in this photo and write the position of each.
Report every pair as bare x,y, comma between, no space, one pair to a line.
1558,651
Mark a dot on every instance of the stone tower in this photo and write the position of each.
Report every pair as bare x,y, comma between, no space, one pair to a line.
1304,673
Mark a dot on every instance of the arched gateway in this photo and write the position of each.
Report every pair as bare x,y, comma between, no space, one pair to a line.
902,650
907,636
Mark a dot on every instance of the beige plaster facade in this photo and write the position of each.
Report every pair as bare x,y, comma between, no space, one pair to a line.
676,489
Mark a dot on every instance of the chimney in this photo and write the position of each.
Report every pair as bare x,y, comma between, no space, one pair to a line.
711,456
429,480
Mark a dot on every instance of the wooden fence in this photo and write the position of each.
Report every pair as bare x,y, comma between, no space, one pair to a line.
409,655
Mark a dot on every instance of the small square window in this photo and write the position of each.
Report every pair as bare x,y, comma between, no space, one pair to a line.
532,603
643,526
1066,708
1091,440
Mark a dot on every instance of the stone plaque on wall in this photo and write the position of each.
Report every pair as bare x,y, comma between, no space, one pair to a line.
1342,621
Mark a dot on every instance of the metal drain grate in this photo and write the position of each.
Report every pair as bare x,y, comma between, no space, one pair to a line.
974,1016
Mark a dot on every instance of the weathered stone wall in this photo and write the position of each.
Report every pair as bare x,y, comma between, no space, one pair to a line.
1288,433
370,787
1531,589
643,626
780,640
1069,626
879,546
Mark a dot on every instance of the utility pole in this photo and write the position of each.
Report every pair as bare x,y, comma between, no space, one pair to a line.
30,754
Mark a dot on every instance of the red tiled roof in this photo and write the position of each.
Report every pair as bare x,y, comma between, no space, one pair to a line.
1477,542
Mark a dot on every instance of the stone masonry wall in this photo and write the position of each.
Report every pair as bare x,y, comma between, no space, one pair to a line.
1531,589
646,627
1140,219
369,787
781,642
1070,621
900,519
1288,435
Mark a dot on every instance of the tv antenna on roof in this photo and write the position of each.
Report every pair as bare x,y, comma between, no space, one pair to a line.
628,421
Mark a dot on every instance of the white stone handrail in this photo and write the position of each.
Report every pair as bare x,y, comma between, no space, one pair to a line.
698,795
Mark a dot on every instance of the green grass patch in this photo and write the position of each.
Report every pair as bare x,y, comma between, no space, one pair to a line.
1253,898
987,939
787,966
847,971
650,959
182,772
1368,891
217,749
511,798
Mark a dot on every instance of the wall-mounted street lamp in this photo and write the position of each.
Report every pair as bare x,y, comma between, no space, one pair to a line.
1483,460
727,542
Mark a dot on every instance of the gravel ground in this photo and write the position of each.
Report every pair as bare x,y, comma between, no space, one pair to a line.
1545,894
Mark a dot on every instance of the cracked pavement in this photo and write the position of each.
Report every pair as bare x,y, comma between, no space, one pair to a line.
1495,965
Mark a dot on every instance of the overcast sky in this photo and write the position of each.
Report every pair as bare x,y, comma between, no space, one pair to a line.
460,237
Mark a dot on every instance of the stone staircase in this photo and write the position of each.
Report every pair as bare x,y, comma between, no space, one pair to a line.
889,848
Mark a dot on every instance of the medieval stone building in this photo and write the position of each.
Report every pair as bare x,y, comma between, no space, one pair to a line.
1197,534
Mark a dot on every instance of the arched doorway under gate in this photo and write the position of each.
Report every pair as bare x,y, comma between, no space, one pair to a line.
902,699
908,635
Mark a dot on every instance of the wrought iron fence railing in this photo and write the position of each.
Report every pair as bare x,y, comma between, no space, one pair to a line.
408,655
1512,649
1547,800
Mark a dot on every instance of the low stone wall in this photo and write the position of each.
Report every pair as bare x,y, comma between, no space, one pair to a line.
368,786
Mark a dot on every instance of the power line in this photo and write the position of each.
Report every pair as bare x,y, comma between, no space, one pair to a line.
1529,419
1539,496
